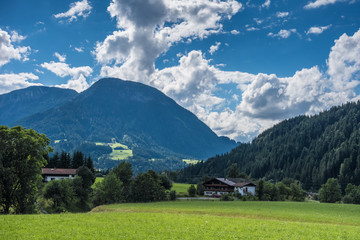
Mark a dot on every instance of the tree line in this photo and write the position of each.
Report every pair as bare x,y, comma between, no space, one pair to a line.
308,149
23,152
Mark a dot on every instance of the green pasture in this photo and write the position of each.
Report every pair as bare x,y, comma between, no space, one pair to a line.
118,154
191,161
180,187
192,220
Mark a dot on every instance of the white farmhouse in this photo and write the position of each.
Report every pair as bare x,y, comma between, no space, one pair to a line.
219,186
50,174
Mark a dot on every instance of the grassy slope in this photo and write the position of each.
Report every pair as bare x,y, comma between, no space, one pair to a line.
192,220
180,187
118,154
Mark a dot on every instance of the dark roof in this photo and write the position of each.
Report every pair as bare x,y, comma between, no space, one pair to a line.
235,182
58,171
243,184
226,181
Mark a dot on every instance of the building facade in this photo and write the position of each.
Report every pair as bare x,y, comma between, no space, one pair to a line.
221,186
50,174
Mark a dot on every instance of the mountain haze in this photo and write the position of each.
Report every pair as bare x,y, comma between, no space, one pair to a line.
25,102
133,114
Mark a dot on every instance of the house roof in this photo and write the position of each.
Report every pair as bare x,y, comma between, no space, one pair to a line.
58,171
243,184
235,182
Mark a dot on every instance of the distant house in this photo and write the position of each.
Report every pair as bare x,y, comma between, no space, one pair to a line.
50,174
221,186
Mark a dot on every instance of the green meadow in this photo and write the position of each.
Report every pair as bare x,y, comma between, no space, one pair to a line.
180,187
118,154
192,220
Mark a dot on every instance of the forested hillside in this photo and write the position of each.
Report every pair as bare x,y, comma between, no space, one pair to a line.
309,149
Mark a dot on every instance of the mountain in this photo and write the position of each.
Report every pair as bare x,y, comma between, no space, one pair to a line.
25,102
309,149
112,110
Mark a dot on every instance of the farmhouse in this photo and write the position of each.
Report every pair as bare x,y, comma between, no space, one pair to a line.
50,174
221,186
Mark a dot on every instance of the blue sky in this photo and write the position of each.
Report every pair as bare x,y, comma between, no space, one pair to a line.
240,66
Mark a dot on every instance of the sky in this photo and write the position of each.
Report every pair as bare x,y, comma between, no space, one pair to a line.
239,66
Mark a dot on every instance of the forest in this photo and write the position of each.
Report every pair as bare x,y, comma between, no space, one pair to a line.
310,149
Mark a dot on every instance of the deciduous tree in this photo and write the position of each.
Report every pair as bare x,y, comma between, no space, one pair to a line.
22,154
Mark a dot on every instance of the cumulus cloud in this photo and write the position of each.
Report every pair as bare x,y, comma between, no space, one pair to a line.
282,14
214,48
266,4
12,81
261,100
77,9
318,30
61,58
16,37
283,33
235,32
77,74
344,62
320,3
9,51
149,28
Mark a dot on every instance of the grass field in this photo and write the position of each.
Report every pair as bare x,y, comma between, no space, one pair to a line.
192,220
118,154
180,187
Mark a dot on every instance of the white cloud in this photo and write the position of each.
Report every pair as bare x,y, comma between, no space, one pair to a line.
8,51
344,62
320,3
318,30
214,48
61,58
77,9
283,33
77,74
80,49
252,29
16,37
235,32
266,4
11,81
149,28
282,14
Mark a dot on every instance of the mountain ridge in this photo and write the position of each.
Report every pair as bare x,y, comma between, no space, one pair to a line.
132,113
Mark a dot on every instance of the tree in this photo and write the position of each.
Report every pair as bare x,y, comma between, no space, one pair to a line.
89,164
192,191
165,182
200,189
22,154
65,160
82,184
61,193
297,193
146,187
233,171
330,192
53,161
110,190
124,172
260,189
77,159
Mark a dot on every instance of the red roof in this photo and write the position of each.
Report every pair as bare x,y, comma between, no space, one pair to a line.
58,171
